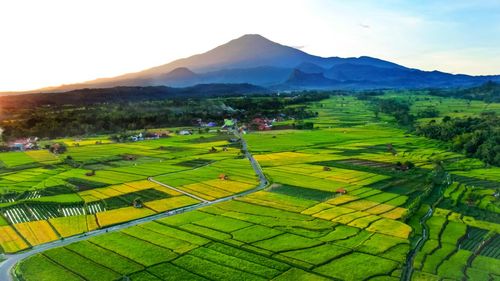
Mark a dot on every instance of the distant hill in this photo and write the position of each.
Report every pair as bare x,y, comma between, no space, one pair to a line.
256,60
309,80
124,94
488,92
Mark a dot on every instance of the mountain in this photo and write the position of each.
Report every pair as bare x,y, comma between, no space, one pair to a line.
256,60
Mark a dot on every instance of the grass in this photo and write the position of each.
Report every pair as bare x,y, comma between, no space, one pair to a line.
176,245
235,262
213,270
170,232
317,255
69,226
223,224
135,249
300,192
286,242
357,266
390,227
340,232
380,243
168,271
453,267
255,233
105,257
487,264
296,274
40,268
80,265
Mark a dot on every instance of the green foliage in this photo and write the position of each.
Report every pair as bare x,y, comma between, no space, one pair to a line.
475,136
488,92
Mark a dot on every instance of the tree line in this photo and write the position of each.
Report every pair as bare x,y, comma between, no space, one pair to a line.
104,118
477,137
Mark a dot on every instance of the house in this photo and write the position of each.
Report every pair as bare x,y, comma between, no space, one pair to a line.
341,191
184,133
138,137
261,124
24,144
223,177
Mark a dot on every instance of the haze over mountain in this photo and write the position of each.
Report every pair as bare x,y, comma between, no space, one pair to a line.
256,60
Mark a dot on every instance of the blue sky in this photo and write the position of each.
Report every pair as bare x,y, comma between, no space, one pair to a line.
57,41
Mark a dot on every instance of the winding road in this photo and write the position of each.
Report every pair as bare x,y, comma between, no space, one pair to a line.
12,259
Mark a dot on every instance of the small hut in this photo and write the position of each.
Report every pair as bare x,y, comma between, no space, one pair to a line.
223,177
341,191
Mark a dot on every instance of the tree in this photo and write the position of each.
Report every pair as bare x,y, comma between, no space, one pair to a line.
58,148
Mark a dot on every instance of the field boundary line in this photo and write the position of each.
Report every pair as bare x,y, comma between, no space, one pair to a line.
178,190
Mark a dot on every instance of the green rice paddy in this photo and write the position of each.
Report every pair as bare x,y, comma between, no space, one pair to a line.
336,207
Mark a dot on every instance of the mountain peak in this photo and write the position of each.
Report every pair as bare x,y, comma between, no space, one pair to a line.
180,72
253,36
250,41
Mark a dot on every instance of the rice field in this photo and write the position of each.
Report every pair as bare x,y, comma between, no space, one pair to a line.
336,207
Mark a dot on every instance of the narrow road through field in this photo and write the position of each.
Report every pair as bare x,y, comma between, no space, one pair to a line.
11,260
178,190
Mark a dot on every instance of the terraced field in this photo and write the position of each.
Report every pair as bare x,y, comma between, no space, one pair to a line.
336,208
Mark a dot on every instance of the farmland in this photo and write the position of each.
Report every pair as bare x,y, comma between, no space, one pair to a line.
48,201
337,207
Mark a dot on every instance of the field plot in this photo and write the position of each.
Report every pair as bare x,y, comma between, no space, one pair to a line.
69,226
11,241
120,215
452,243
36,232
238,240
220,179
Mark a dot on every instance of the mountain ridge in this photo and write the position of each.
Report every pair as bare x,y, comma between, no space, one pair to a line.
257,60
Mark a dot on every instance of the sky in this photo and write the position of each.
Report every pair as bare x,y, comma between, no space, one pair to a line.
54,42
